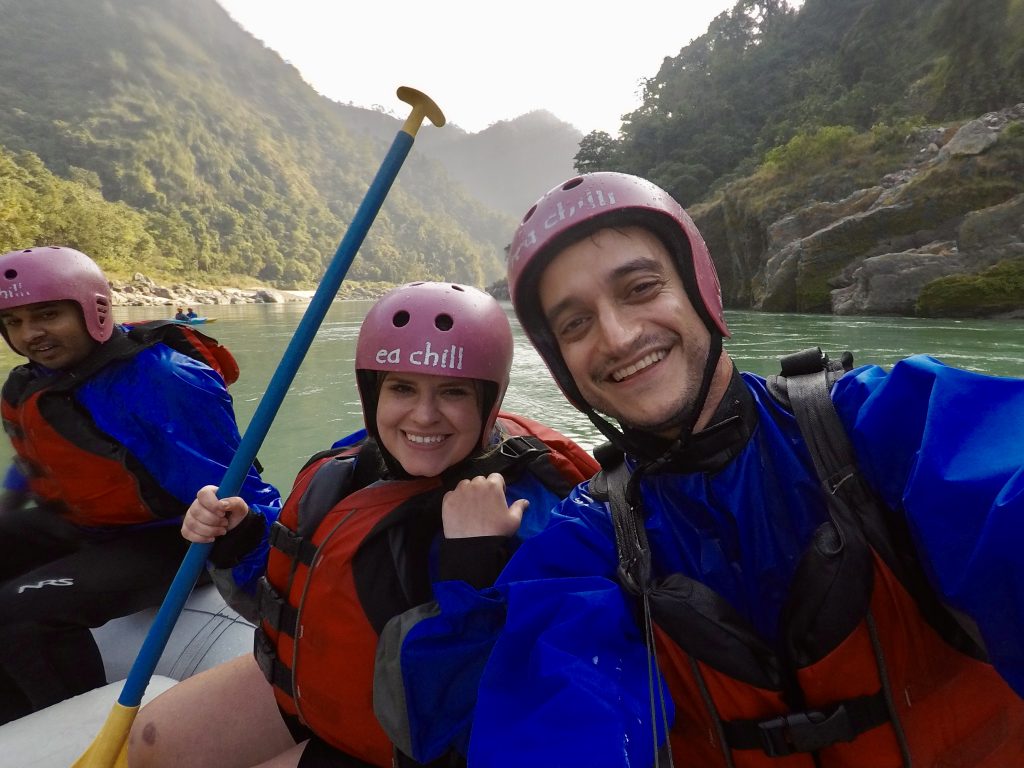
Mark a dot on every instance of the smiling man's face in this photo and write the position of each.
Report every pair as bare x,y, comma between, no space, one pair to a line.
626,328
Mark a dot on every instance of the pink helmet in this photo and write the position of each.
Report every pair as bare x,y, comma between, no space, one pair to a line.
581,206
441,329
56,273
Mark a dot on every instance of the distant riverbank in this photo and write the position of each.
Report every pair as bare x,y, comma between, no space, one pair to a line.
142,291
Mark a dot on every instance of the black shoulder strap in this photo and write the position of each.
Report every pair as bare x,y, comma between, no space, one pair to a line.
351,468
611,484
805,385
510,457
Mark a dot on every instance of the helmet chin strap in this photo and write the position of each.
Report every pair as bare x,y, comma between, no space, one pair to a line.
637,443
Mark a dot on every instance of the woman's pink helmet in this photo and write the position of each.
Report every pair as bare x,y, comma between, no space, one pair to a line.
443,329
56,273
578,208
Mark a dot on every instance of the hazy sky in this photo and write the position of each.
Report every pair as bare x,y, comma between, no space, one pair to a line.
481,61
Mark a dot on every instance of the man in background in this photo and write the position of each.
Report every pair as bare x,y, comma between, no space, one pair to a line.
114,430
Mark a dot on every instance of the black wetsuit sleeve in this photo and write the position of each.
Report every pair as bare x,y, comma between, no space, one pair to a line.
476,560
231,548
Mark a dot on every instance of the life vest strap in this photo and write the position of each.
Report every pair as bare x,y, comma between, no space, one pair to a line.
509,458
274,609
810,730
277,674
294,546
25,467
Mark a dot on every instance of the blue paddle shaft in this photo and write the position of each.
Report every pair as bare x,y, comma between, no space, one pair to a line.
195,559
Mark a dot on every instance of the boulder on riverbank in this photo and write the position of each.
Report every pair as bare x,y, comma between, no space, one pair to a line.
142,291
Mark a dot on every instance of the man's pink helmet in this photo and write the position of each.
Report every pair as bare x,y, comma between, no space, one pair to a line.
578,208
442,329
56,273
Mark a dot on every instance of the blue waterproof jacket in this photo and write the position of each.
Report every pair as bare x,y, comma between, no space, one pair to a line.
567,682
174,415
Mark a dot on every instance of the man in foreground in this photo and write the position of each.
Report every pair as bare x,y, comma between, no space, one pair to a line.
859,618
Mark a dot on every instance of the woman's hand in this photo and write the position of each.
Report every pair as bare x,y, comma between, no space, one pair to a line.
209,517
477,507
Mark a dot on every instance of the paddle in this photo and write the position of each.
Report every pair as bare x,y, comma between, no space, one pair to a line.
109,748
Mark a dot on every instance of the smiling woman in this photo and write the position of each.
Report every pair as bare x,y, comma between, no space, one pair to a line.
436,359
428,423
442,486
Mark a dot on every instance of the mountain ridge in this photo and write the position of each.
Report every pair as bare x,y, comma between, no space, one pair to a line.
216,155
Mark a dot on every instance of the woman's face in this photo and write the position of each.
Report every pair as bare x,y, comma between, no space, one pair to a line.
428,423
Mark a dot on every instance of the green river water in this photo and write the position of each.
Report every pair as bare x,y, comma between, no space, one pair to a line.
323,405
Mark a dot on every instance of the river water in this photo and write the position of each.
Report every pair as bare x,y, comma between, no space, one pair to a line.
323,405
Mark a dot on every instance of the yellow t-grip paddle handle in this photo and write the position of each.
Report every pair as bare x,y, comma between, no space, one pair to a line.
108,749
422,106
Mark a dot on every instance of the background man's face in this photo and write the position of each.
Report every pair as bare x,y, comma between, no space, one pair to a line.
50,333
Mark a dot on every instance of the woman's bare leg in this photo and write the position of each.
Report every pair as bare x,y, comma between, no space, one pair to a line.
225,717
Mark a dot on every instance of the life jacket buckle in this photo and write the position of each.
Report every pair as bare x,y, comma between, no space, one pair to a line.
518,446
806,731
273,609
296,547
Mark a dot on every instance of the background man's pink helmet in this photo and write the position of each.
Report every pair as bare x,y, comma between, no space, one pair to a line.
56,273
578,208
442,329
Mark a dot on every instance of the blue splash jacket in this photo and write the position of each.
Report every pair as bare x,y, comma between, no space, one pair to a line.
566,681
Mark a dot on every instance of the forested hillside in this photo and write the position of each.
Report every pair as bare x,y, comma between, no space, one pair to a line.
161,137
849,156
511,163
764,73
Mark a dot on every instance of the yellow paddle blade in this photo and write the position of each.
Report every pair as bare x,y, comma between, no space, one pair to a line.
110,747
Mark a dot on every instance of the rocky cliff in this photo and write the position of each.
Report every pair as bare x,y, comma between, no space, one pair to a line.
940,235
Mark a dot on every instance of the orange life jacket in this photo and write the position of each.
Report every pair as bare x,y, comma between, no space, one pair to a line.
873,671
339,569
87,475
891,691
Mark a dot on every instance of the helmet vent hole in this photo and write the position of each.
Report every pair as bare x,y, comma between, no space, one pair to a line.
529,213
10,274
443,322
572,183
401,319
458,288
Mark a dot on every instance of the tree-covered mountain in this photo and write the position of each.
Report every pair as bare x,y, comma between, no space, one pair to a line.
511,163
852,156
161,136
764,73
507,166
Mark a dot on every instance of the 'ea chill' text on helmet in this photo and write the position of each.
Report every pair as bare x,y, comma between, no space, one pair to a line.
442,329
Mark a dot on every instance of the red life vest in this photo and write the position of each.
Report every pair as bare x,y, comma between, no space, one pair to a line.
87,475
873,672
340,569
891,677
